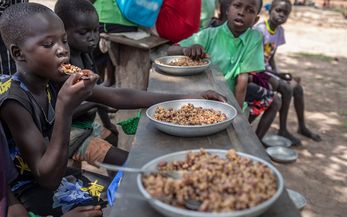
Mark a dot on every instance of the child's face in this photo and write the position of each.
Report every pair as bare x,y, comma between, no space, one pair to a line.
84,36
242,14
45,48
279,13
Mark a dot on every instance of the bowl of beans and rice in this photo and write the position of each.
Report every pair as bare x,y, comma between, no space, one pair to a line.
181,65
225,182
191,117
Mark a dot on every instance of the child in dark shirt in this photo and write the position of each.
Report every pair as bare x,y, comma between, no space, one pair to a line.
81,24
9,205
36,114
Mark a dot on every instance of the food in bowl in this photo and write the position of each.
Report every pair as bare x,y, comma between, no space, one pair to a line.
220,184
189,115
186,61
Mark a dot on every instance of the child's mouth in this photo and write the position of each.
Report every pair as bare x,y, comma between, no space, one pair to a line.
280,20
238,22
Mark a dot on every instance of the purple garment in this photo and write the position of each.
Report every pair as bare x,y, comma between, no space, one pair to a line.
7,172
262,79
270,42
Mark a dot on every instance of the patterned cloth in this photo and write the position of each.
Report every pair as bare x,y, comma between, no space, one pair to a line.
258,98
11,88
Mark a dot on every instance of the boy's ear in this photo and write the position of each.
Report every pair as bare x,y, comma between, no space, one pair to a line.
256,19
16,53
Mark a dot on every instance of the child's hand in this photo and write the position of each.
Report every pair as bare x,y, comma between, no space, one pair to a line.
75,89
211,95
195,51
85,211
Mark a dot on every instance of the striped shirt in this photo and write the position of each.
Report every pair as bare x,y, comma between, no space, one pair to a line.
7,65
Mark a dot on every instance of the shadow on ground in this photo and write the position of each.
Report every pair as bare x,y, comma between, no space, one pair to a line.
320,172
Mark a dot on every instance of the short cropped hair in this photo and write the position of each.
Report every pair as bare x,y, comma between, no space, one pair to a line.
224,5
13,25
275,2
67,10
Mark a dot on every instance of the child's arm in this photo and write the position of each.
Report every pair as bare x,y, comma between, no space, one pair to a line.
274,70
83,108
47,162
133,99
106,121
272,63
16,209
240,88
195,51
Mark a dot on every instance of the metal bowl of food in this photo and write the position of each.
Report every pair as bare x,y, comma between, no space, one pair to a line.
256,209
181,65
188,130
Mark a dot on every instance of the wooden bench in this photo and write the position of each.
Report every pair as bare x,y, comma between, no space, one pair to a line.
132,58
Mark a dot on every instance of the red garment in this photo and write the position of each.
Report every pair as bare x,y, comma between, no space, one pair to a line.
178,19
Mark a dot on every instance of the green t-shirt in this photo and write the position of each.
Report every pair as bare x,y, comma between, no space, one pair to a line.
232,55
207,12
109,12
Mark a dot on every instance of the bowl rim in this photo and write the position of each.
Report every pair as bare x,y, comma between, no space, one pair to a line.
186,212
157,61
268,138
288,159
296,195
227,120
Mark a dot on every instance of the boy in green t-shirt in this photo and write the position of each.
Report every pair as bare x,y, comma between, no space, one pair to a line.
235,48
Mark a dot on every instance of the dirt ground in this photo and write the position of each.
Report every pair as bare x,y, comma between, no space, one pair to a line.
316,50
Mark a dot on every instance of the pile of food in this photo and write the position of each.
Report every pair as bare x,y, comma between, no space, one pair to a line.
189,115
69,69
186,61
220,184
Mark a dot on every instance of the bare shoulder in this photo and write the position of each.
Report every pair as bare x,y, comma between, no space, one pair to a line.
23,130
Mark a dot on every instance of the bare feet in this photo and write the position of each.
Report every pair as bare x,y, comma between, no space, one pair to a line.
308,133
295,141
